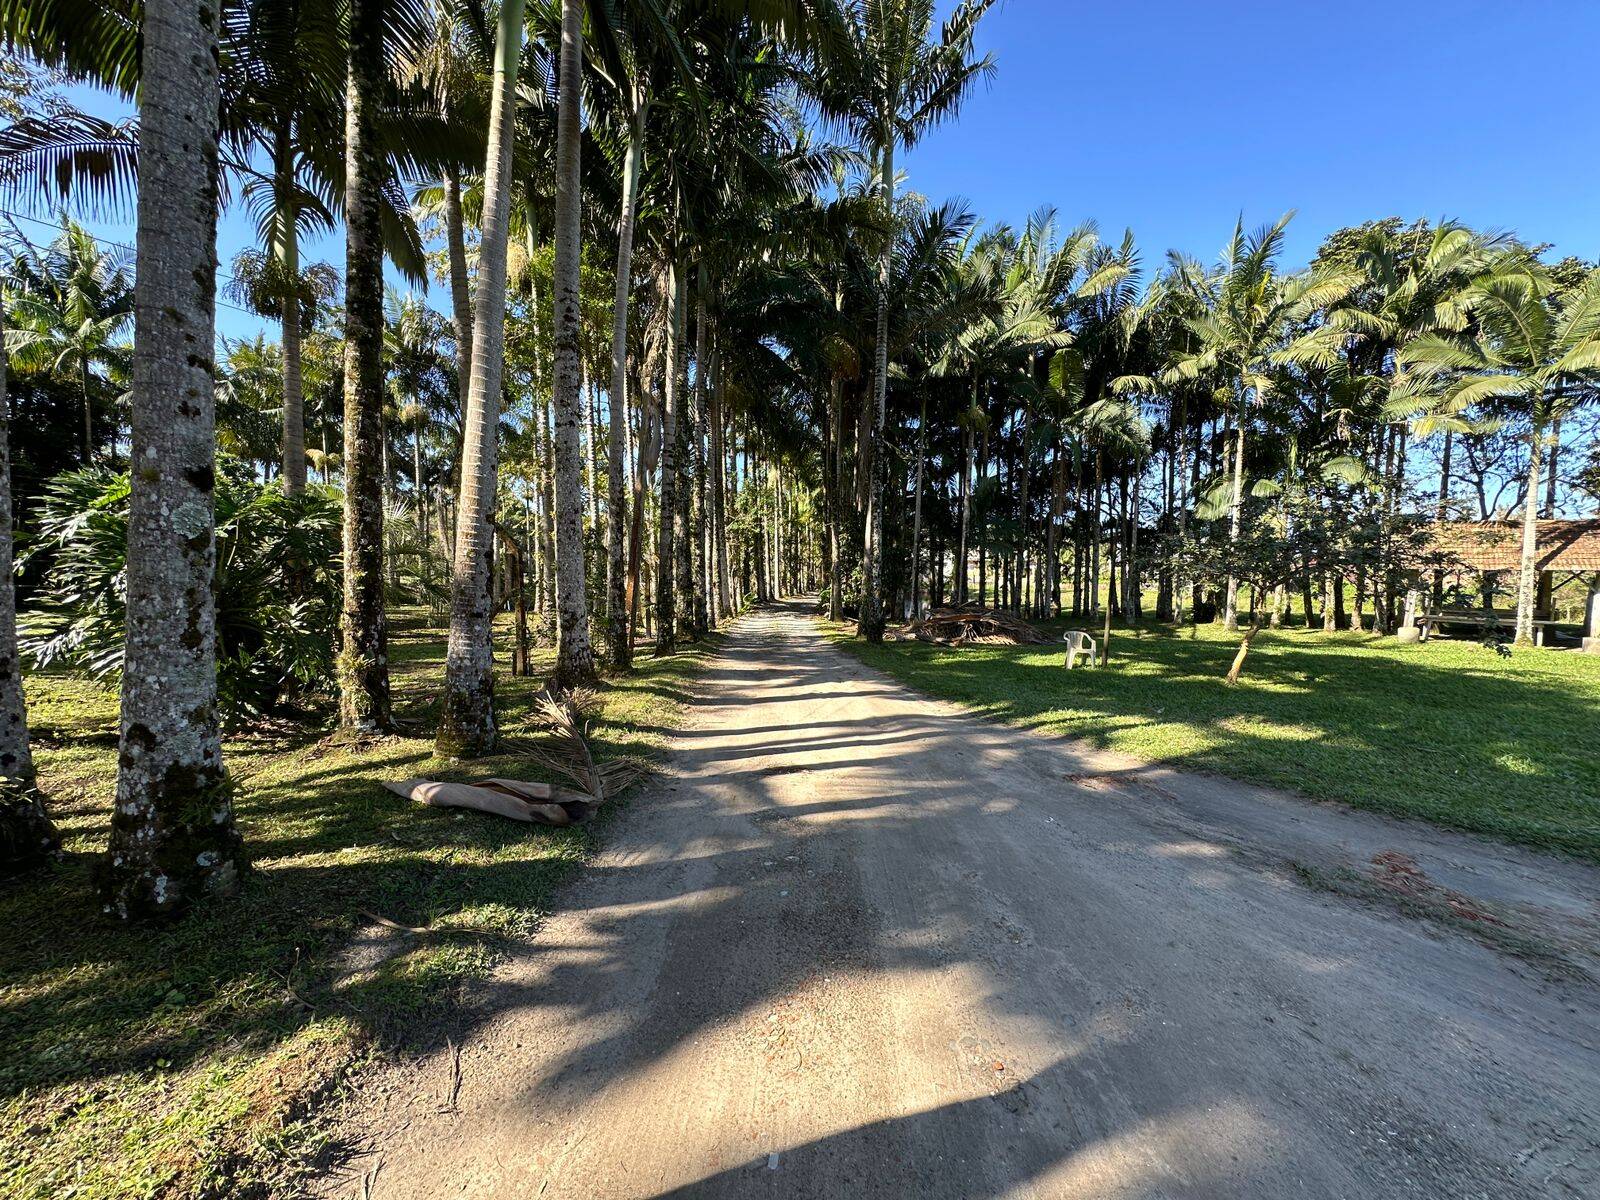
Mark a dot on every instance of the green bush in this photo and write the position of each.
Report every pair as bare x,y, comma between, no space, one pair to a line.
277,585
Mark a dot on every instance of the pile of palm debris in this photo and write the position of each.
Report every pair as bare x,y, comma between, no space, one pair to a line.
972,626
565,751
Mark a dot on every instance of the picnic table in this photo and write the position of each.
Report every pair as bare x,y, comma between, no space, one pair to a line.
1478,618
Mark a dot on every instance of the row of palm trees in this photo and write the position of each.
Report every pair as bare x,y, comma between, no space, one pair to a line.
698,142
1090,392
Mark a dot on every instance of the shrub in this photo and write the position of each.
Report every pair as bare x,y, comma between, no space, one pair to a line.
277,585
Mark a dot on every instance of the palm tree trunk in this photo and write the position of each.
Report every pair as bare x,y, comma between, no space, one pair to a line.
88,410
682,543
698,456
619,643
294,411
574,655
460,289
719,515
363,657
591,439
26,832
288,252
1551,474
1235,517
1527,572
966,509
666,628
870,623
467,721
916,512
172,834
836,507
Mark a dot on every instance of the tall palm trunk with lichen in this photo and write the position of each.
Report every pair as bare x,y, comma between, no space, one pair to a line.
363,625
871,622
288,254
467,723
683,560
172,834
574,654
619,645
26,833
702,602
666,626
718,488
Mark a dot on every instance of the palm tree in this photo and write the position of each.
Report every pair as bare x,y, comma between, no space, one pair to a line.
467,724
1535,351
172,834
574,657
72,303
1242,333
895,85
26,832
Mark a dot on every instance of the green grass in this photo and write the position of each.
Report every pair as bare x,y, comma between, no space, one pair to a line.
189,1061
1448,731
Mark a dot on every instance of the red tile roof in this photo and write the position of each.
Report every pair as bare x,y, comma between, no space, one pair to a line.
1497,545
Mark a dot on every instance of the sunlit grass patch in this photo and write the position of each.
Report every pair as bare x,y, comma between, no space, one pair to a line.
1448,731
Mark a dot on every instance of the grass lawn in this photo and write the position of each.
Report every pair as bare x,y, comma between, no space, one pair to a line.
187,1061
1449,731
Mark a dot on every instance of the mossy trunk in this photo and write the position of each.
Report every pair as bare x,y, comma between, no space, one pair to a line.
467,720
574,655
666,627
701,607
364,643
172,834
870,624
719,514
26,833
683,539
619,643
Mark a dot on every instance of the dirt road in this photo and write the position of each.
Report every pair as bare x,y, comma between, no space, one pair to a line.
858,944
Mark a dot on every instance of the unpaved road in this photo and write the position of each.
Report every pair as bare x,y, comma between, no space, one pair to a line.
857,944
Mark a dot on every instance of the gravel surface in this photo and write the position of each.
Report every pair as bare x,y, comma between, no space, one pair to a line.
856,943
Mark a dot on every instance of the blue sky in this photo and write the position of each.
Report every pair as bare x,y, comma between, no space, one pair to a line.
1172,117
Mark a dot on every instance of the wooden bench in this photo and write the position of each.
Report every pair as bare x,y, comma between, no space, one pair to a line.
1080,642
1478,619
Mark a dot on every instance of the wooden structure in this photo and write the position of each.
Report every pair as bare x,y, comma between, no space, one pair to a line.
1567,550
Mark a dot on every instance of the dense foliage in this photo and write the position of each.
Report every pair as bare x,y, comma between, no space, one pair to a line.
277,585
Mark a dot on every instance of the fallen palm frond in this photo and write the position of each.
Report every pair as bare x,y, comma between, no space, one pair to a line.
968,626
566,751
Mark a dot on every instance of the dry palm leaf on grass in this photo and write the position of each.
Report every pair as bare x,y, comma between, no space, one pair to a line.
564,751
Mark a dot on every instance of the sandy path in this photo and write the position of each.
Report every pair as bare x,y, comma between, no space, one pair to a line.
860,944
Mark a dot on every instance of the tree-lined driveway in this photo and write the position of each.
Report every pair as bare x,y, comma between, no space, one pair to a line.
857,943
